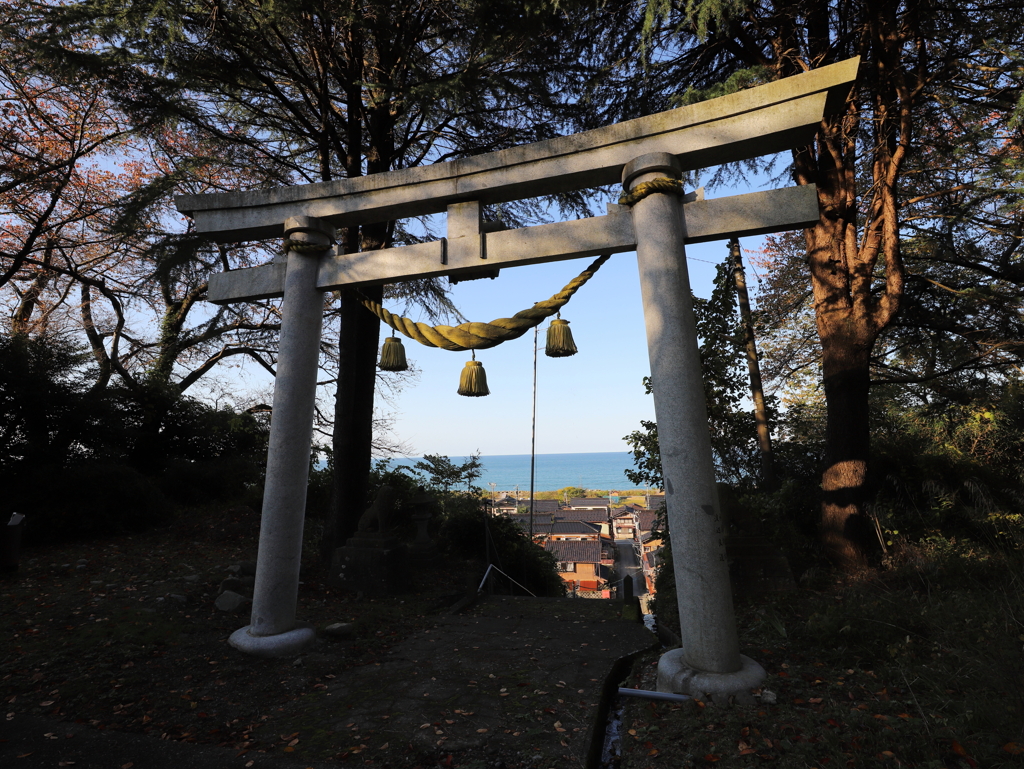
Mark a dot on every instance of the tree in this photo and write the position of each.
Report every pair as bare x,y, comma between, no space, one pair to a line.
88,244
733,429
338,89
913,55
443,474
573,492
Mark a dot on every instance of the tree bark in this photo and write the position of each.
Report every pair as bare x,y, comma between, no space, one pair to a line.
846,532
353,418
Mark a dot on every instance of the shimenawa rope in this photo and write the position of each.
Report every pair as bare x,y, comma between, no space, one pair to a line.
481,336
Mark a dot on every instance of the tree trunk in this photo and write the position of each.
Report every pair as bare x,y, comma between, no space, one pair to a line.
352,438
847,323
764,433
21,321
353,418
846,532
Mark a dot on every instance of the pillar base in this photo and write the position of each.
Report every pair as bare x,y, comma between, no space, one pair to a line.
677,677
281,645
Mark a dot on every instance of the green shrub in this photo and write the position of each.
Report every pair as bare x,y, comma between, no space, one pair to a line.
468,532
80,462
88,499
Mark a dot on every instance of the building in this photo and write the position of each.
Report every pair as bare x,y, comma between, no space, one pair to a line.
574,531
579,563
597,517
624,522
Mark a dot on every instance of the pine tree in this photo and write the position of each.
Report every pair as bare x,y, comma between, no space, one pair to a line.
337,89
914,56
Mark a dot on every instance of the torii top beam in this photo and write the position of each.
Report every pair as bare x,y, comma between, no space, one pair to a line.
758,121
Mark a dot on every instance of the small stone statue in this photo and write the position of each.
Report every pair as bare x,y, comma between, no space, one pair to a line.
378,515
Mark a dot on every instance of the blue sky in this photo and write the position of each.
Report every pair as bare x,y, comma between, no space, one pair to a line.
585,403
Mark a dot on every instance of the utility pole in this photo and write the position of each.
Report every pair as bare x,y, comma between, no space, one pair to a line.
764,438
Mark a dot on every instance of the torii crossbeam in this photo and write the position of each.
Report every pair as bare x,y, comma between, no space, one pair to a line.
759,121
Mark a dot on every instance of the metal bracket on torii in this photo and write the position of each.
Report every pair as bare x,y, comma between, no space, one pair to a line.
767,119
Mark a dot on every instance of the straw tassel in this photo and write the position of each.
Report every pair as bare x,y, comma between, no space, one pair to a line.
473,382
392,355
559,342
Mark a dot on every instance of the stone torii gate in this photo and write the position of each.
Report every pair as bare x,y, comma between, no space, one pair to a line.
766,119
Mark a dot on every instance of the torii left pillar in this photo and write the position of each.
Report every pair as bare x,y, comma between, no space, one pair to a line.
273,630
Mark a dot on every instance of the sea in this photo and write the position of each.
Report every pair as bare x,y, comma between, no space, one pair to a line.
596,471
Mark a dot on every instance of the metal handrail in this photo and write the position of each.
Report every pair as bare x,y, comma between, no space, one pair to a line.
480,590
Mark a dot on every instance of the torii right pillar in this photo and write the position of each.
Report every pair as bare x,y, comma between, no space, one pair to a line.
709,662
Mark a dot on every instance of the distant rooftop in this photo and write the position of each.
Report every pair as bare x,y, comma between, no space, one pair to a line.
590,516
569,551
591,502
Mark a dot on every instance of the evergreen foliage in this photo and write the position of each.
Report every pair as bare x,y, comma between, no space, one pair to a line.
79,461
733,432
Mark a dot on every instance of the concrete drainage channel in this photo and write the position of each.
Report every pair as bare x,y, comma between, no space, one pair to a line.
606,748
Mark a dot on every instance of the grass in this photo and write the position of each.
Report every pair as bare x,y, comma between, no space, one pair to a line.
921,665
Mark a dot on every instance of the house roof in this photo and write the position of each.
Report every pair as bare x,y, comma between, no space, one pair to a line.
570,551
573,527
590,516
541,523
542,505
647,518
590,502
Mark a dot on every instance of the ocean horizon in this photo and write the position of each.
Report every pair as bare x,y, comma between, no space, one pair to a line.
603,471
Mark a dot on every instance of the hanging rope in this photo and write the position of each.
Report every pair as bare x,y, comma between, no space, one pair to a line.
642,190
481,336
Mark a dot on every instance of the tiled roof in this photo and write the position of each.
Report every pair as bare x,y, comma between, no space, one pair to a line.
591,516
542,505
573,527
588,502
647,518
541,523
574,552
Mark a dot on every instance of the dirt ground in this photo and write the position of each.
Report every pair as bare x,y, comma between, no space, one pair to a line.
114,647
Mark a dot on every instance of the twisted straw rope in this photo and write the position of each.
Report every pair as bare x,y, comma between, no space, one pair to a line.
642,190
481,336
303,247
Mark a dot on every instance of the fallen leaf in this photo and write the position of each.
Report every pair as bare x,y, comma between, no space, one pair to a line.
482,731
1013,748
